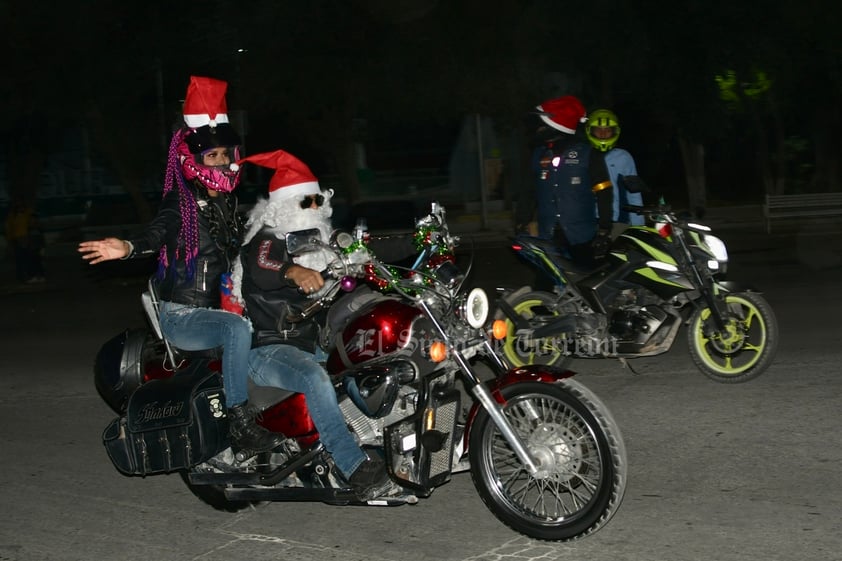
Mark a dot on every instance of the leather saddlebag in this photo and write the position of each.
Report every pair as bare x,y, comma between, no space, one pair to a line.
169,425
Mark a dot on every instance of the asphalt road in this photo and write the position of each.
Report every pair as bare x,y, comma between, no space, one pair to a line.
717,472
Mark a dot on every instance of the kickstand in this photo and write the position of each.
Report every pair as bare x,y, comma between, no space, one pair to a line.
627,365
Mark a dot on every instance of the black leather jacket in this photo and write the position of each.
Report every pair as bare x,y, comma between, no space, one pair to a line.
219,234
270,297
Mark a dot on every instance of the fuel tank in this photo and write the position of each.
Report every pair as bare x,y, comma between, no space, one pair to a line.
632,254
386,328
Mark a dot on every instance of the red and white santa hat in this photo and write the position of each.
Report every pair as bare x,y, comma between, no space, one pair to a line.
205,103
563,113
292,177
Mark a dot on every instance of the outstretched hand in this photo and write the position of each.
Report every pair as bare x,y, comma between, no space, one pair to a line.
104,250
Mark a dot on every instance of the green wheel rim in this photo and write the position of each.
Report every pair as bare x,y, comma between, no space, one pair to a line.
741,345
519,356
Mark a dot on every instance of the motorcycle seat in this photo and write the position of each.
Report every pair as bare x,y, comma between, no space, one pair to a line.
559,257
574,268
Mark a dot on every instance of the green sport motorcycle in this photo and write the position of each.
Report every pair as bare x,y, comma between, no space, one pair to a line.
652,280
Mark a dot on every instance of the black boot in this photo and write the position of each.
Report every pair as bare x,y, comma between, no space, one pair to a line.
247,434
370,480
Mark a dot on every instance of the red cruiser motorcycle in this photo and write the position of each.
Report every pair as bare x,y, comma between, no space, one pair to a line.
543,451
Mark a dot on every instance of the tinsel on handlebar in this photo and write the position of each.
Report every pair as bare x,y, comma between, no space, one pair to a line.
431,238
431,233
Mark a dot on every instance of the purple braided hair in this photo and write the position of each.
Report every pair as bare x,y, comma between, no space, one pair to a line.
189,231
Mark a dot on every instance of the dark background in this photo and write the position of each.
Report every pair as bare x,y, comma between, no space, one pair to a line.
742,98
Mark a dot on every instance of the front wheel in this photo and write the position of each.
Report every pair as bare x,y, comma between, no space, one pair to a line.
580,452
744,349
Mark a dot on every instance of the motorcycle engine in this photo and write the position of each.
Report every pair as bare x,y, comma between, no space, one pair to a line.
625,323
370,430
636,324
588,341
633,318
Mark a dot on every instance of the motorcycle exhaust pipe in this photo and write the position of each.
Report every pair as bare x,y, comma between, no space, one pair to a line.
565,324
519,322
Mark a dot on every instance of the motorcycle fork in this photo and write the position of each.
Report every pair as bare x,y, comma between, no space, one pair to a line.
495,411
706,285
717,306
713,303
483,394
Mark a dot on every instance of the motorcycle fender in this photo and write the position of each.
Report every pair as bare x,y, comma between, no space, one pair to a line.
734,286
527,373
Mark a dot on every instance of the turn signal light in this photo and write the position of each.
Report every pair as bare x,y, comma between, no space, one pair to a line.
429,419
438,351
498,329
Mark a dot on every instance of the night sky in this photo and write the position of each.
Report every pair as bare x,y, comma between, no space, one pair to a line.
762,98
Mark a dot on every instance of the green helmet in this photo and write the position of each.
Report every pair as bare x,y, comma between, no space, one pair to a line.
603,129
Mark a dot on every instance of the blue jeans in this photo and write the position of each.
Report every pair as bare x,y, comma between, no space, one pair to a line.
197,329
293,369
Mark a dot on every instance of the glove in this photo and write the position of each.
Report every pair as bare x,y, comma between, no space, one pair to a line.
601,243
632,184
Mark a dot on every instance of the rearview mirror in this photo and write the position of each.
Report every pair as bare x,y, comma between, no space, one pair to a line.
303,241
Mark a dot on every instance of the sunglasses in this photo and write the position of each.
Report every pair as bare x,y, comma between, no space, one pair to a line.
307,201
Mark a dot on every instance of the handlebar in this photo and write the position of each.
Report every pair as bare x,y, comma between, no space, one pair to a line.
664,213
648,210
354,260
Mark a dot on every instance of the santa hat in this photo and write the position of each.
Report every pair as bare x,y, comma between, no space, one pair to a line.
563,113
292,176
205,102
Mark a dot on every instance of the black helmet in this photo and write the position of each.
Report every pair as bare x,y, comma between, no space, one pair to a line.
206,137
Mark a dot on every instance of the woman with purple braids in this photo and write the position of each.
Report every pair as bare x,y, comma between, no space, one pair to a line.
196,234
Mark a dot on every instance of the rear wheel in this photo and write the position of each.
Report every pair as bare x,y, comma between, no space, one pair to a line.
744,349
580,453
520,348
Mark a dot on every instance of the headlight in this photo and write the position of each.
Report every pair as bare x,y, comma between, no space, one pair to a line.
716,247
475,308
